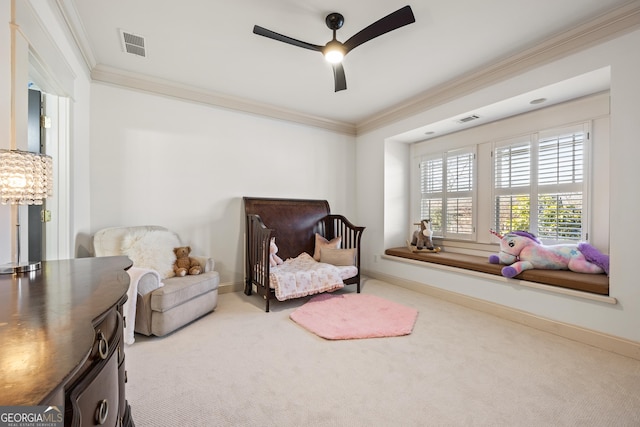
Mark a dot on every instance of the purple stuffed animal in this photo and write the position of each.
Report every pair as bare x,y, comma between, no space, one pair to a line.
521,251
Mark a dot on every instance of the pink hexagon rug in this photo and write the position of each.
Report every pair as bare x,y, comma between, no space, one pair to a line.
351,316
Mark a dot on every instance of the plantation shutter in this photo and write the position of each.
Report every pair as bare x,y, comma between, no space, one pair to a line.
561,163
431,187
512,185
539,184
459,194
447,187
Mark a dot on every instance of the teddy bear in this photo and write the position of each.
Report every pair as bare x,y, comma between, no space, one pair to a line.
273,250
184,263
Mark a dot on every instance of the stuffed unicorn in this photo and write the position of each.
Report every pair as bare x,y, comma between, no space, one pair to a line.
274,259
520,251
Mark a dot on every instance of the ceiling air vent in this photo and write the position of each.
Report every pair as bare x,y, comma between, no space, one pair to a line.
133,43
468,119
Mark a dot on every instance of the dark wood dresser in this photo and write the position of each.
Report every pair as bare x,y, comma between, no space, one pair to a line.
61,340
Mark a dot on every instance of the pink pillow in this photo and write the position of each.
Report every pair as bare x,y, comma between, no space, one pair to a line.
321,242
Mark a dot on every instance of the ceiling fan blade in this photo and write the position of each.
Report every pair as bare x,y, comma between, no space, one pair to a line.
338,76
393,21
275,36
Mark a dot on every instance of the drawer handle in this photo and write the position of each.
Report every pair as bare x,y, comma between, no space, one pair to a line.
103,346
102,412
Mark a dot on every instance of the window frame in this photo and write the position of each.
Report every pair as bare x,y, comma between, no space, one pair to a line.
465,189
594,108
535,189
486,168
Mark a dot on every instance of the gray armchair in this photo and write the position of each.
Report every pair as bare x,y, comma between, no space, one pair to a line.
161,309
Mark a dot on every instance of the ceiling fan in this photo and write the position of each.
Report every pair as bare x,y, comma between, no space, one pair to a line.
334,51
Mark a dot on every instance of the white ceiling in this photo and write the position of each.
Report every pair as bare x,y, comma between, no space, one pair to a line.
209,45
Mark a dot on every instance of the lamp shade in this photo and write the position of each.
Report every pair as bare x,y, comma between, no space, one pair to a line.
25,178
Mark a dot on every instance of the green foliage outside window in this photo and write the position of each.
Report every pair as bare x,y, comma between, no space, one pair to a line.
559,216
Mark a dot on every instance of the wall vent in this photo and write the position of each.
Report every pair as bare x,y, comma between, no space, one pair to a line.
468,118
133,43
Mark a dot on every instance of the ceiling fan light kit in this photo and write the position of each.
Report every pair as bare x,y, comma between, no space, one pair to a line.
334,51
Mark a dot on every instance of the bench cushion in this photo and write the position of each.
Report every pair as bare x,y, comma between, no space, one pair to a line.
594,283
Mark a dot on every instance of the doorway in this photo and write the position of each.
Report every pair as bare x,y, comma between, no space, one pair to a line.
47,133
34,143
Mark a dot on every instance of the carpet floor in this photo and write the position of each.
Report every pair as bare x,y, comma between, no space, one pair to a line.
240,366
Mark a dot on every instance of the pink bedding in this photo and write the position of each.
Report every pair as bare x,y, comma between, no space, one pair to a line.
302,276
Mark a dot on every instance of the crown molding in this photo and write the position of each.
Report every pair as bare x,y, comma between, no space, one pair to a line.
73,22
104,74
50,66
604,27
598,30
101,73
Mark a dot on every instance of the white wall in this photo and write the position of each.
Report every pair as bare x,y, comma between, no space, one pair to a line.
69,77
41,37
381,203
186,166
5,122
143,159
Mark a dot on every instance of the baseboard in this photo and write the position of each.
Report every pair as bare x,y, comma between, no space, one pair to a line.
225,288
597,339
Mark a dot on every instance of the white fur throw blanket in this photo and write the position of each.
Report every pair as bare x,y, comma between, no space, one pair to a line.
129,308
302,276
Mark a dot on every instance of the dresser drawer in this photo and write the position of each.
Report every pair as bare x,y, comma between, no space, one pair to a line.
96,396
96,401
107,338
108,333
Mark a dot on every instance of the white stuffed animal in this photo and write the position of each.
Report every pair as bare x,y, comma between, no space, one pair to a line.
274,259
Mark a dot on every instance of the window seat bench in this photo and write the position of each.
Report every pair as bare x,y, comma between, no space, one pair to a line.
594,283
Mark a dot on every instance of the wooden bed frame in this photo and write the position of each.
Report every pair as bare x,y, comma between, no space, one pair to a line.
293,222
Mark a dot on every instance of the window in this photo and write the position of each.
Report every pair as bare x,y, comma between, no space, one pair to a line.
447,193
545,171
539,184
512,186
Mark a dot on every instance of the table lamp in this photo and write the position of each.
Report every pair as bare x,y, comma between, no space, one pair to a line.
25,179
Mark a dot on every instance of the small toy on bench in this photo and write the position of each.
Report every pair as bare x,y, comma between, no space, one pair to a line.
520,251
421,240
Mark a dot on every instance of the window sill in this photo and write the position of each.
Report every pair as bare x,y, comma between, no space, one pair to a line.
591,286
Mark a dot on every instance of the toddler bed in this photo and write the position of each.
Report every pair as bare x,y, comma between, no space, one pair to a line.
321,250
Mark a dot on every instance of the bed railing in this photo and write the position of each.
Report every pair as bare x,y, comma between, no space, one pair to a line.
257,268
